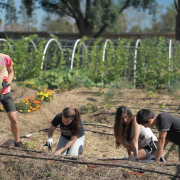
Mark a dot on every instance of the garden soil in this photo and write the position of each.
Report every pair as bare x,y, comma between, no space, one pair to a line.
100,158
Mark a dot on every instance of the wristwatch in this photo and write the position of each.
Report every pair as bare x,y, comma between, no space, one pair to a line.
6,85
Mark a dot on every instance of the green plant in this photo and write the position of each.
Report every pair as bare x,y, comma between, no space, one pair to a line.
28,104
150,94
27,60
173,86
10,134
48,174
162,106
45,95
109,95
29,145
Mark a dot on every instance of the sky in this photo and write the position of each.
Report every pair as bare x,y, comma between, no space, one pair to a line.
40,13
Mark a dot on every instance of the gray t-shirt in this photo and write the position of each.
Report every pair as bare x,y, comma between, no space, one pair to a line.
168,122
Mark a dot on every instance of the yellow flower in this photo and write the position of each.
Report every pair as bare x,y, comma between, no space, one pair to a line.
20,110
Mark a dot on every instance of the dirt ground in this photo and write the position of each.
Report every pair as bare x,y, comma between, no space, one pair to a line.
100,158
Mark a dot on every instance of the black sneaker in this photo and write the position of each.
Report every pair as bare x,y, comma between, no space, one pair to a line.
18,144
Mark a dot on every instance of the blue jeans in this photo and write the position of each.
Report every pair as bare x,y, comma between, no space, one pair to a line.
75,149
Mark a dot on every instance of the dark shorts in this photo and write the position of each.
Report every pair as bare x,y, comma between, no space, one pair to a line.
173,137
8,102
151,147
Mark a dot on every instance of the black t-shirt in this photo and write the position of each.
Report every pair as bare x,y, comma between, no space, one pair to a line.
66,130
168,122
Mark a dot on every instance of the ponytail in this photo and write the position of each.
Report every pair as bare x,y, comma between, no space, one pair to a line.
76,122
74,114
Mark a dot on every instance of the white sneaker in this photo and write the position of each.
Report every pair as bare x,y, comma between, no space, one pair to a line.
152,158
126,157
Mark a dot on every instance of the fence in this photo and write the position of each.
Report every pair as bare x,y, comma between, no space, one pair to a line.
138,61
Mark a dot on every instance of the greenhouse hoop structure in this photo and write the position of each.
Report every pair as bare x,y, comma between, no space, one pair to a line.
128,58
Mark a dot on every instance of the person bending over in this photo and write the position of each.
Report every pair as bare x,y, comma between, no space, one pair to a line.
72,136
167,125
139,141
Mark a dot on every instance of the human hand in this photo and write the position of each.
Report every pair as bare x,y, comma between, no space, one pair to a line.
58,152
49,142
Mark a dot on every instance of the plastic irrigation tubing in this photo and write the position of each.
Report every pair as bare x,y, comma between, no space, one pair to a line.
27,150
97,125
99,132
20,95
92,163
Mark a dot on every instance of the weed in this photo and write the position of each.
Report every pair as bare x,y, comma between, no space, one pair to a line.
10,134
100,92
109,95
162,106
173,86
88,108
150,94
29,145
48,174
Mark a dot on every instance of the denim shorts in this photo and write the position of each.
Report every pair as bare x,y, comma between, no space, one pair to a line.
7,102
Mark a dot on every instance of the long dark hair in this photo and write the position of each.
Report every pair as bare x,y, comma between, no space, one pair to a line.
74,114
119,127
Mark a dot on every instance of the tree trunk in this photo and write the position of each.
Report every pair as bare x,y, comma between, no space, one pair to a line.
84,27
177,29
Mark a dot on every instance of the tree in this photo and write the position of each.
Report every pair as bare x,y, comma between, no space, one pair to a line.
27,23
90,14
166,22
177,29
10,17
60,25
4,5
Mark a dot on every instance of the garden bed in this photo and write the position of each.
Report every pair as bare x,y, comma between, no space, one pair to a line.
99,145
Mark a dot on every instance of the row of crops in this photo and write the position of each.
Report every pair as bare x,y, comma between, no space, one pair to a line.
152,63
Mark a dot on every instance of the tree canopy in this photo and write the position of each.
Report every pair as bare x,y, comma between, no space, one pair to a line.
92,17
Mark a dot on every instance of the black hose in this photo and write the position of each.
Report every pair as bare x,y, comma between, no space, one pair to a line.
92,163
20,95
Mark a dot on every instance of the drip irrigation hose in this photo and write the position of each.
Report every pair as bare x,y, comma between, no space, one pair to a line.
27,150
90,163
91,124
20,95
99,132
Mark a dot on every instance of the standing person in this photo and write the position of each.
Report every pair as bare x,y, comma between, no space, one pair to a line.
139,141
72,135
167,125
7,72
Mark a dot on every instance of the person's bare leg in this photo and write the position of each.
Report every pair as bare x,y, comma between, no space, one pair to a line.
14,125
142,155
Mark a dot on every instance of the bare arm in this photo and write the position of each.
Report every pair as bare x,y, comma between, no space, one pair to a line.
51,131
10,73
68,145
160,145
136,130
